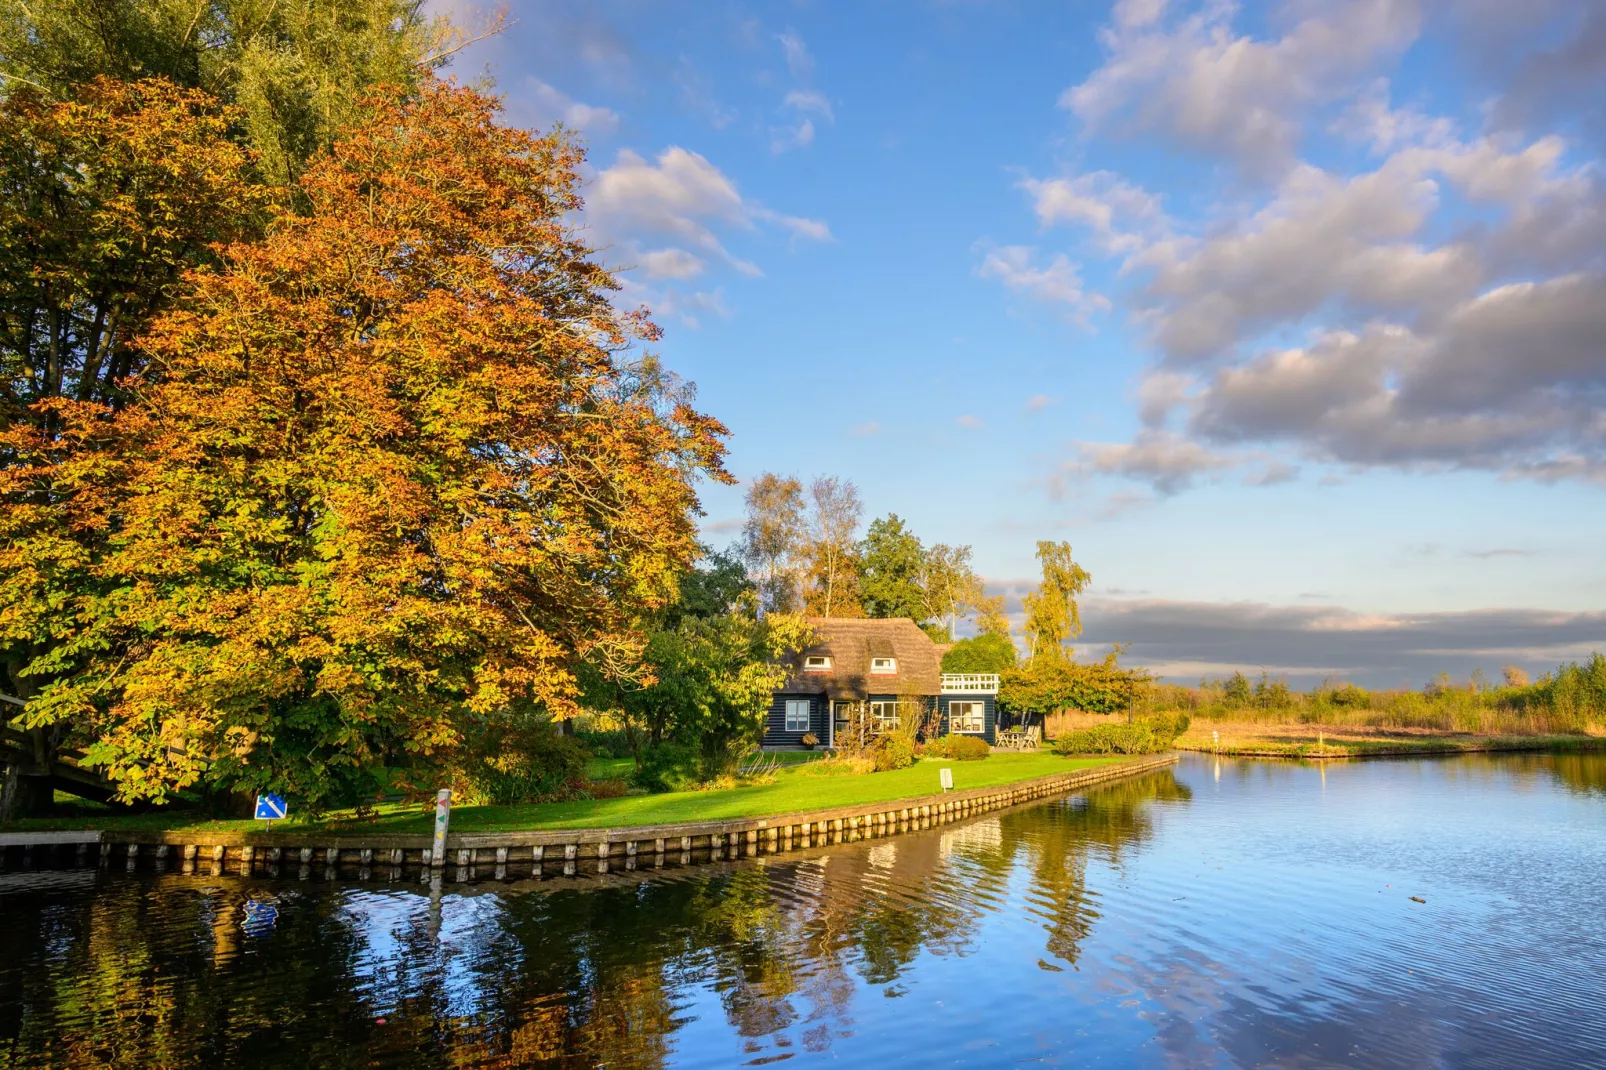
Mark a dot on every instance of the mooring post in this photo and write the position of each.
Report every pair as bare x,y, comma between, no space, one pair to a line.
443,810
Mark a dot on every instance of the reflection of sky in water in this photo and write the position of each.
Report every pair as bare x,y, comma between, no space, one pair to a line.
1235,914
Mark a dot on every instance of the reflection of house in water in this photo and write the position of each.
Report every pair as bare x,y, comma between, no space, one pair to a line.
871,673
985,835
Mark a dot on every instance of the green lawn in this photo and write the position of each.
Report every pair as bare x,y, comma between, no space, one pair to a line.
792,791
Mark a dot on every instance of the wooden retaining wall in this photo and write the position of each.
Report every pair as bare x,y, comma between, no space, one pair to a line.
569,852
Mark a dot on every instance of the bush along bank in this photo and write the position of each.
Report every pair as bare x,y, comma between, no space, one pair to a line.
1146,735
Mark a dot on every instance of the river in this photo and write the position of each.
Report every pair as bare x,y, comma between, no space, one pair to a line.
1229,913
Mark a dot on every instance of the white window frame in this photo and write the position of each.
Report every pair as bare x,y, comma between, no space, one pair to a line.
879,708
889,666
977,716
823,666
792,706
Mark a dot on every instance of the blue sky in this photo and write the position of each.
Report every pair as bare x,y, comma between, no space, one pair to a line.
1289,317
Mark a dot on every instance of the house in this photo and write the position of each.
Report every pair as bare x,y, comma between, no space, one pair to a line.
875,663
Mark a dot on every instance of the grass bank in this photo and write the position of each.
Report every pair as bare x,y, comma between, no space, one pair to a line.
1292,739
793,790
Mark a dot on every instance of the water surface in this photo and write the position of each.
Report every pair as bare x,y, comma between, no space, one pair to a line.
1231,913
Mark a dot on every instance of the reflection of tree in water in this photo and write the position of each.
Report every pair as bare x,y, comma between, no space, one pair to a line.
160,972
1584,773
1059,841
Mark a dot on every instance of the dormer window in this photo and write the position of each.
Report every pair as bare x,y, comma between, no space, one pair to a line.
884,665
816,663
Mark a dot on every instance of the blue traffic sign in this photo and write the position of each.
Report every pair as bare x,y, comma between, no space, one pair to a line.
271,808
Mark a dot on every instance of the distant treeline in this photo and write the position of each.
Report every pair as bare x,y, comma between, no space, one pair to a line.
1570,699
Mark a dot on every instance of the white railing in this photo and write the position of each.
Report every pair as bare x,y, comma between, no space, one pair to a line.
970,683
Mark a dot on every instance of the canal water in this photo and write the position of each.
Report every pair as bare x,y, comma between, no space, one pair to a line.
1423,913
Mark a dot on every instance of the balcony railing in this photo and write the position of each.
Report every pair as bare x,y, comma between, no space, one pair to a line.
970,683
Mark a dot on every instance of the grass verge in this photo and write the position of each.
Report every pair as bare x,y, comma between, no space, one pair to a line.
790,792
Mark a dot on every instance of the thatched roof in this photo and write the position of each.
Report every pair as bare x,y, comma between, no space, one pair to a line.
851,643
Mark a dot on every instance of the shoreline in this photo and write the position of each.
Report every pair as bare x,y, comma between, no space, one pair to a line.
1354,749
571,852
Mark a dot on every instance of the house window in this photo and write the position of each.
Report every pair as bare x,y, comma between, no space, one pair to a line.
885,713
816,663
884,665
797,715
966,717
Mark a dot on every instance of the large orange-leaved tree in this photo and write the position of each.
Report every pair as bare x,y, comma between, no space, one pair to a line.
405,466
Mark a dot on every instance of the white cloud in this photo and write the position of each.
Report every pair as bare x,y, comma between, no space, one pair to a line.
1039,402
793,137
798,60
683,197
801,103
809,100
542,105
670,264
1057,283
969,421
864,430
1213,91
1168,461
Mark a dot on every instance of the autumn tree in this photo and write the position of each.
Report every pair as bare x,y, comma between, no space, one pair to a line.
105,202
773,538
952,588
1052,614
405,467
135,134
830,557
990,616
295,71
893,571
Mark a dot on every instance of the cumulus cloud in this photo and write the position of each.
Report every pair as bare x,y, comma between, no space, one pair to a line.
1442,306
1168,461
1214,91
1186,640
1057,282
665,217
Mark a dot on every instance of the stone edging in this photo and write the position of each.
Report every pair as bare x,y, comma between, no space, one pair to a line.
571,851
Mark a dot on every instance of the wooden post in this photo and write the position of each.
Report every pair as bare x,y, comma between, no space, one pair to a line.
443,812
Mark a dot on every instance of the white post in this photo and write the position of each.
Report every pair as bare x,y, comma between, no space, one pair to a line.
443,810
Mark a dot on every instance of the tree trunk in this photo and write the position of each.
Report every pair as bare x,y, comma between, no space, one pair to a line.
23,796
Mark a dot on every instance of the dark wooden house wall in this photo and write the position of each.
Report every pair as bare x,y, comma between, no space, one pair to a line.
775,733
989,713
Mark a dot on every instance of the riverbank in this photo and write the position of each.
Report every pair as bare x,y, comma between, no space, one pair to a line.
794,788
578,851
1309,741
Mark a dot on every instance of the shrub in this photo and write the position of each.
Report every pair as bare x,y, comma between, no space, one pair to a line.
1148,735
959,748
611,788
810,740
606,744
892,751
669,767
523,761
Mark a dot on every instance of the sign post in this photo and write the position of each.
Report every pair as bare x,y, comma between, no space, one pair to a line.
443,810
271,808
946,775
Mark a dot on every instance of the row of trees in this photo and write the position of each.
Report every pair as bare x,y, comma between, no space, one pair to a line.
323,445
804,550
